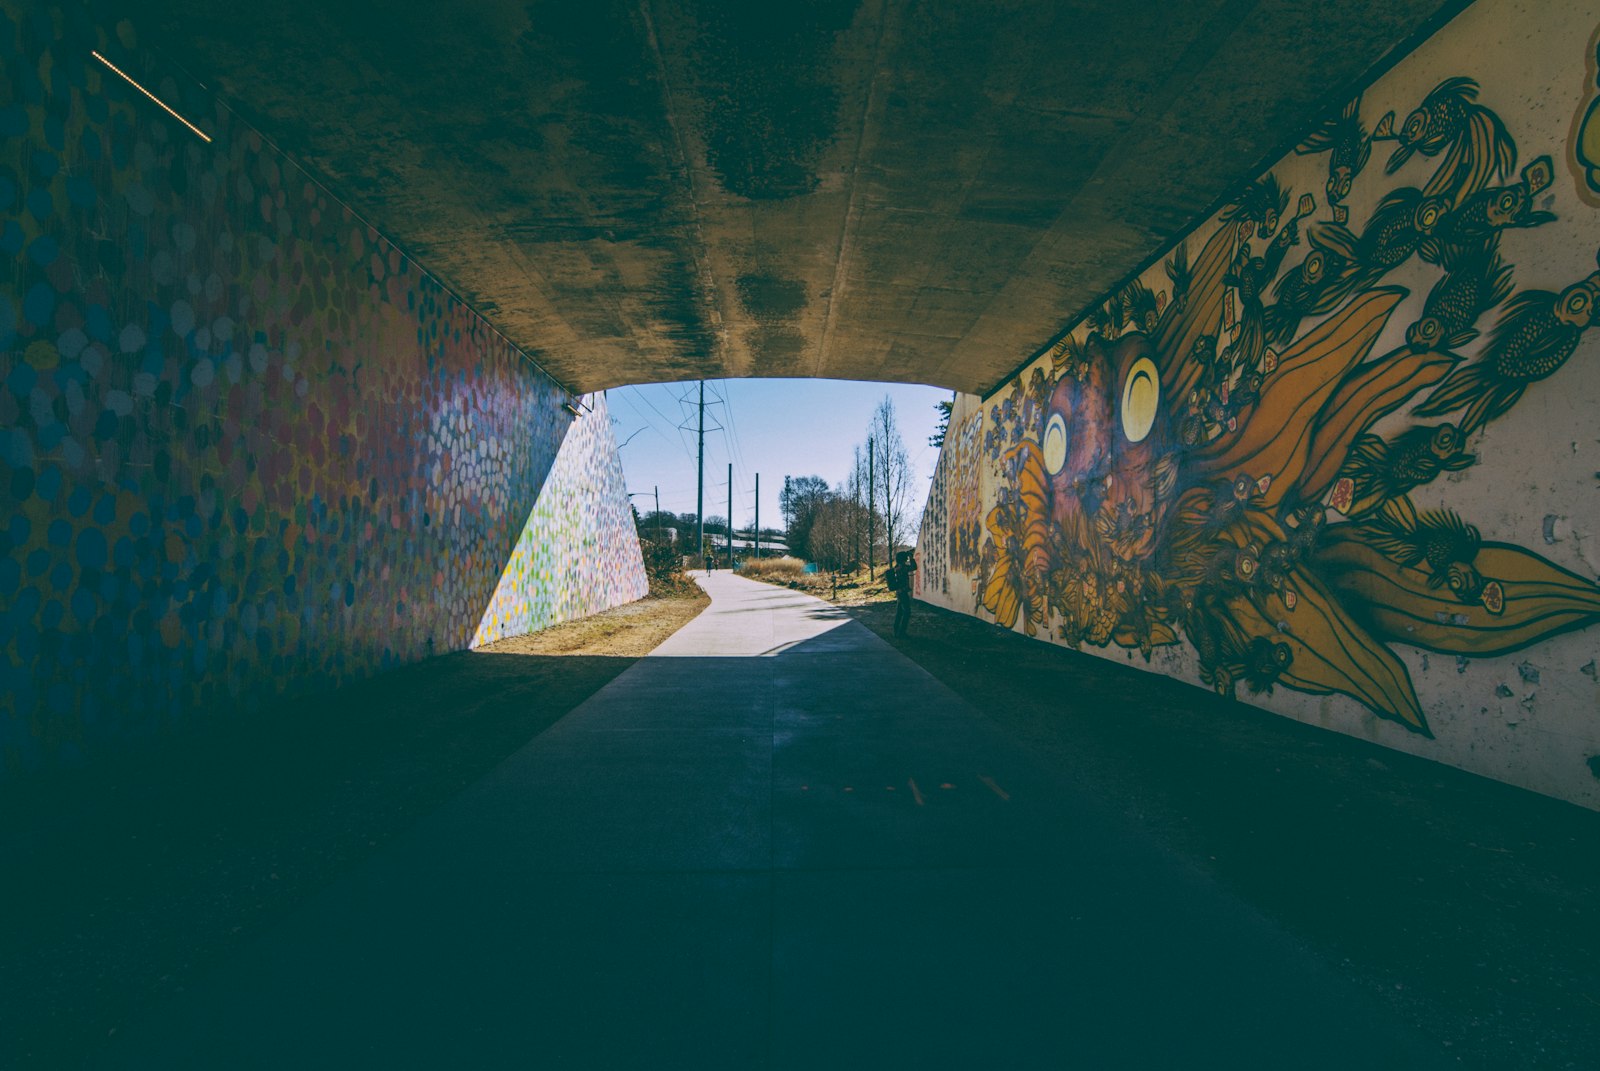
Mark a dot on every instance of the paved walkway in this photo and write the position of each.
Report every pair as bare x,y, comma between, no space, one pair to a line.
776,842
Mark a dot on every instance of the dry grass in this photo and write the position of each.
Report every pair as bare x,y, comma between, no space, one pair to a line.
630,631
770,569
843,589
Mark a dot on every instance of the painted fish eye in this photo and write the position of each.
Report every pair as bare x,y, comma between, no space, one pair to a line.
1414,123
1444,436
1428,215
1455,580
1141,397
1055,444
1577,301
1427,327
1312,268
1508,201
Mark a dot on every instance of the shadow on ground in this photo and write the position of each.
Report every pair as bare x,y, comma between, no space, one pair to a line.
1465,904
820,859
127,879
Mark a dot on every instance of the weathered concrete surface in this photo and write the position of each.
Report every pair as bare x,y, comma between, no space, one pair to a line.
854,189
775,843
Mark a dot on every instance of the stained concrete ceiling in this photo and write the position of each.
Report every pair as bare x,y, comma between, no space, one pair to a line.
853,189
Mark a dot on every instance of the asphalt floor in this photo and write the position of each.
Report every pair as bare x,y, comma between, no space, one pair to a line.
775,842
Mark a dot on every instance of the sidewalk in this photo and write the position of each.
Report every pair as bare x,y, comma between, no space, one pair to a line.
776,842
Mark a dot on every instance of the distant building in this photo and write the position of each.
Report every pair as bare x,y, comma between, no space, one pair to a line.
768,546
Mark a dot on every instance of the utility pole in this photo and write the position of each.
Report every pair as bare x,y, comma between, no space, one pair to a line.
730,515
758,516
700,485
872,514
658,514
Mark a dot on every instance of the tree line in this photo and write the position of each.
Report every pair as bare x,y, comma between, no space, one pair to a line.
865,517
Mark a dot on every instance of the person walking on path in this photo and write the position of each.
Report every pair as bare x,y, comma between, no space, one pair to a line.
900,582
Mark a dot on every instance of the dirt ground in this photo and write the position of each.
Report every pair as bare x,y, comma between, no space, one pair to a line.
1466,905
123,883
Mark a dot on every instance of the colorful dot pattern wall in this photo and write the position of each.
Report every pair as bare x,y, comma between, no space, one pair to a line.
579,552
247,448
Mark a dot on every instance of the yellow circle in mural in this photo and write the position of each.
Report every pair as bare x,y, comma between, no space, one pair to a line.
1055,443
1141,394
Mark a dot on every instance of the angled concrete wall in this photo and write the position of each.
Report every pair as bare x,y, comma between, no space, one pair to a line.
249,449
579,550
1336,453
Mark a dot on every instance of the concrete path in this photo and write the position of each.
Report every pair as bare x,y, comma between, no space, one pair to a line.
776,842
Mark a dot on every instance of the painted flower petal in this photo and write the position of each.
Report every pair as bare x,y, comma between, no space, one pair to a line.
1369,393
1202,312
1000,595
1033,489
1332,652
1538,598
1277,440
1020,577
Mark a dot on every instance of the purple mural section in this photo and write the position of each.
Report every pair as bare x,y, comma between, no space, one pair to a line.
248,448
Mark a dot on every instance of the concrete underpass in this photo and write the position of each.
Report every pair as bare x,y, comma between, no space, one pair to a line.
1249,714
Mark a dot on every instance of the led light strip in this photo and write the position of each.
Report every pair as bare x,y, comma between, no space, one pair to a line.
203,135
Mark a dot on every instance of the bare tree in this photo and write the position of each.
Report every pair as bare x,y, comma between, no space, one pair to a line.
833,533
892,476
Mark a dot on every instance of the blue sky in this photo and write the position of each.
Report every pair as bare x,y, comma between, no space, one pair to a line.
777,427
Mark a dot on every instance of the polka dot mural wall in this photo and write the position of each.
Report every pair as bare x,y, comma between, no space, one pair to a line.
247,448
579,552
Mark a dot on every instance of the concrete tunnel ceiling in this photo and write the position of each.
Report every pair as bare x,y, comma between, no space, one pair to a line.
851,189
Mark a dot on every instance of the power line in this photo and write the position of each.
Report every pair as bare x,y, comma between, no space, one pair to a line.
646,426
734,425
735,448
645,417
730,435
645,399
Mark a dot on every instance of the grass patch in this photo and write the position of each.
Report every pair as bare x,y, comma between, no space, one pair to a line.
858,588
770,569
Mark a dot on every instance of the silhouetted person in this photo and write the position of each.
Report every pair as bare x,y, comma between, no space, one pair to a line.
900,582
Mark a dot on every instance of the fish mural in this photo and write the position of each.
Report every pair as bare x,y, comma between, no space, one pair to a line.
1242,453
1585,142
